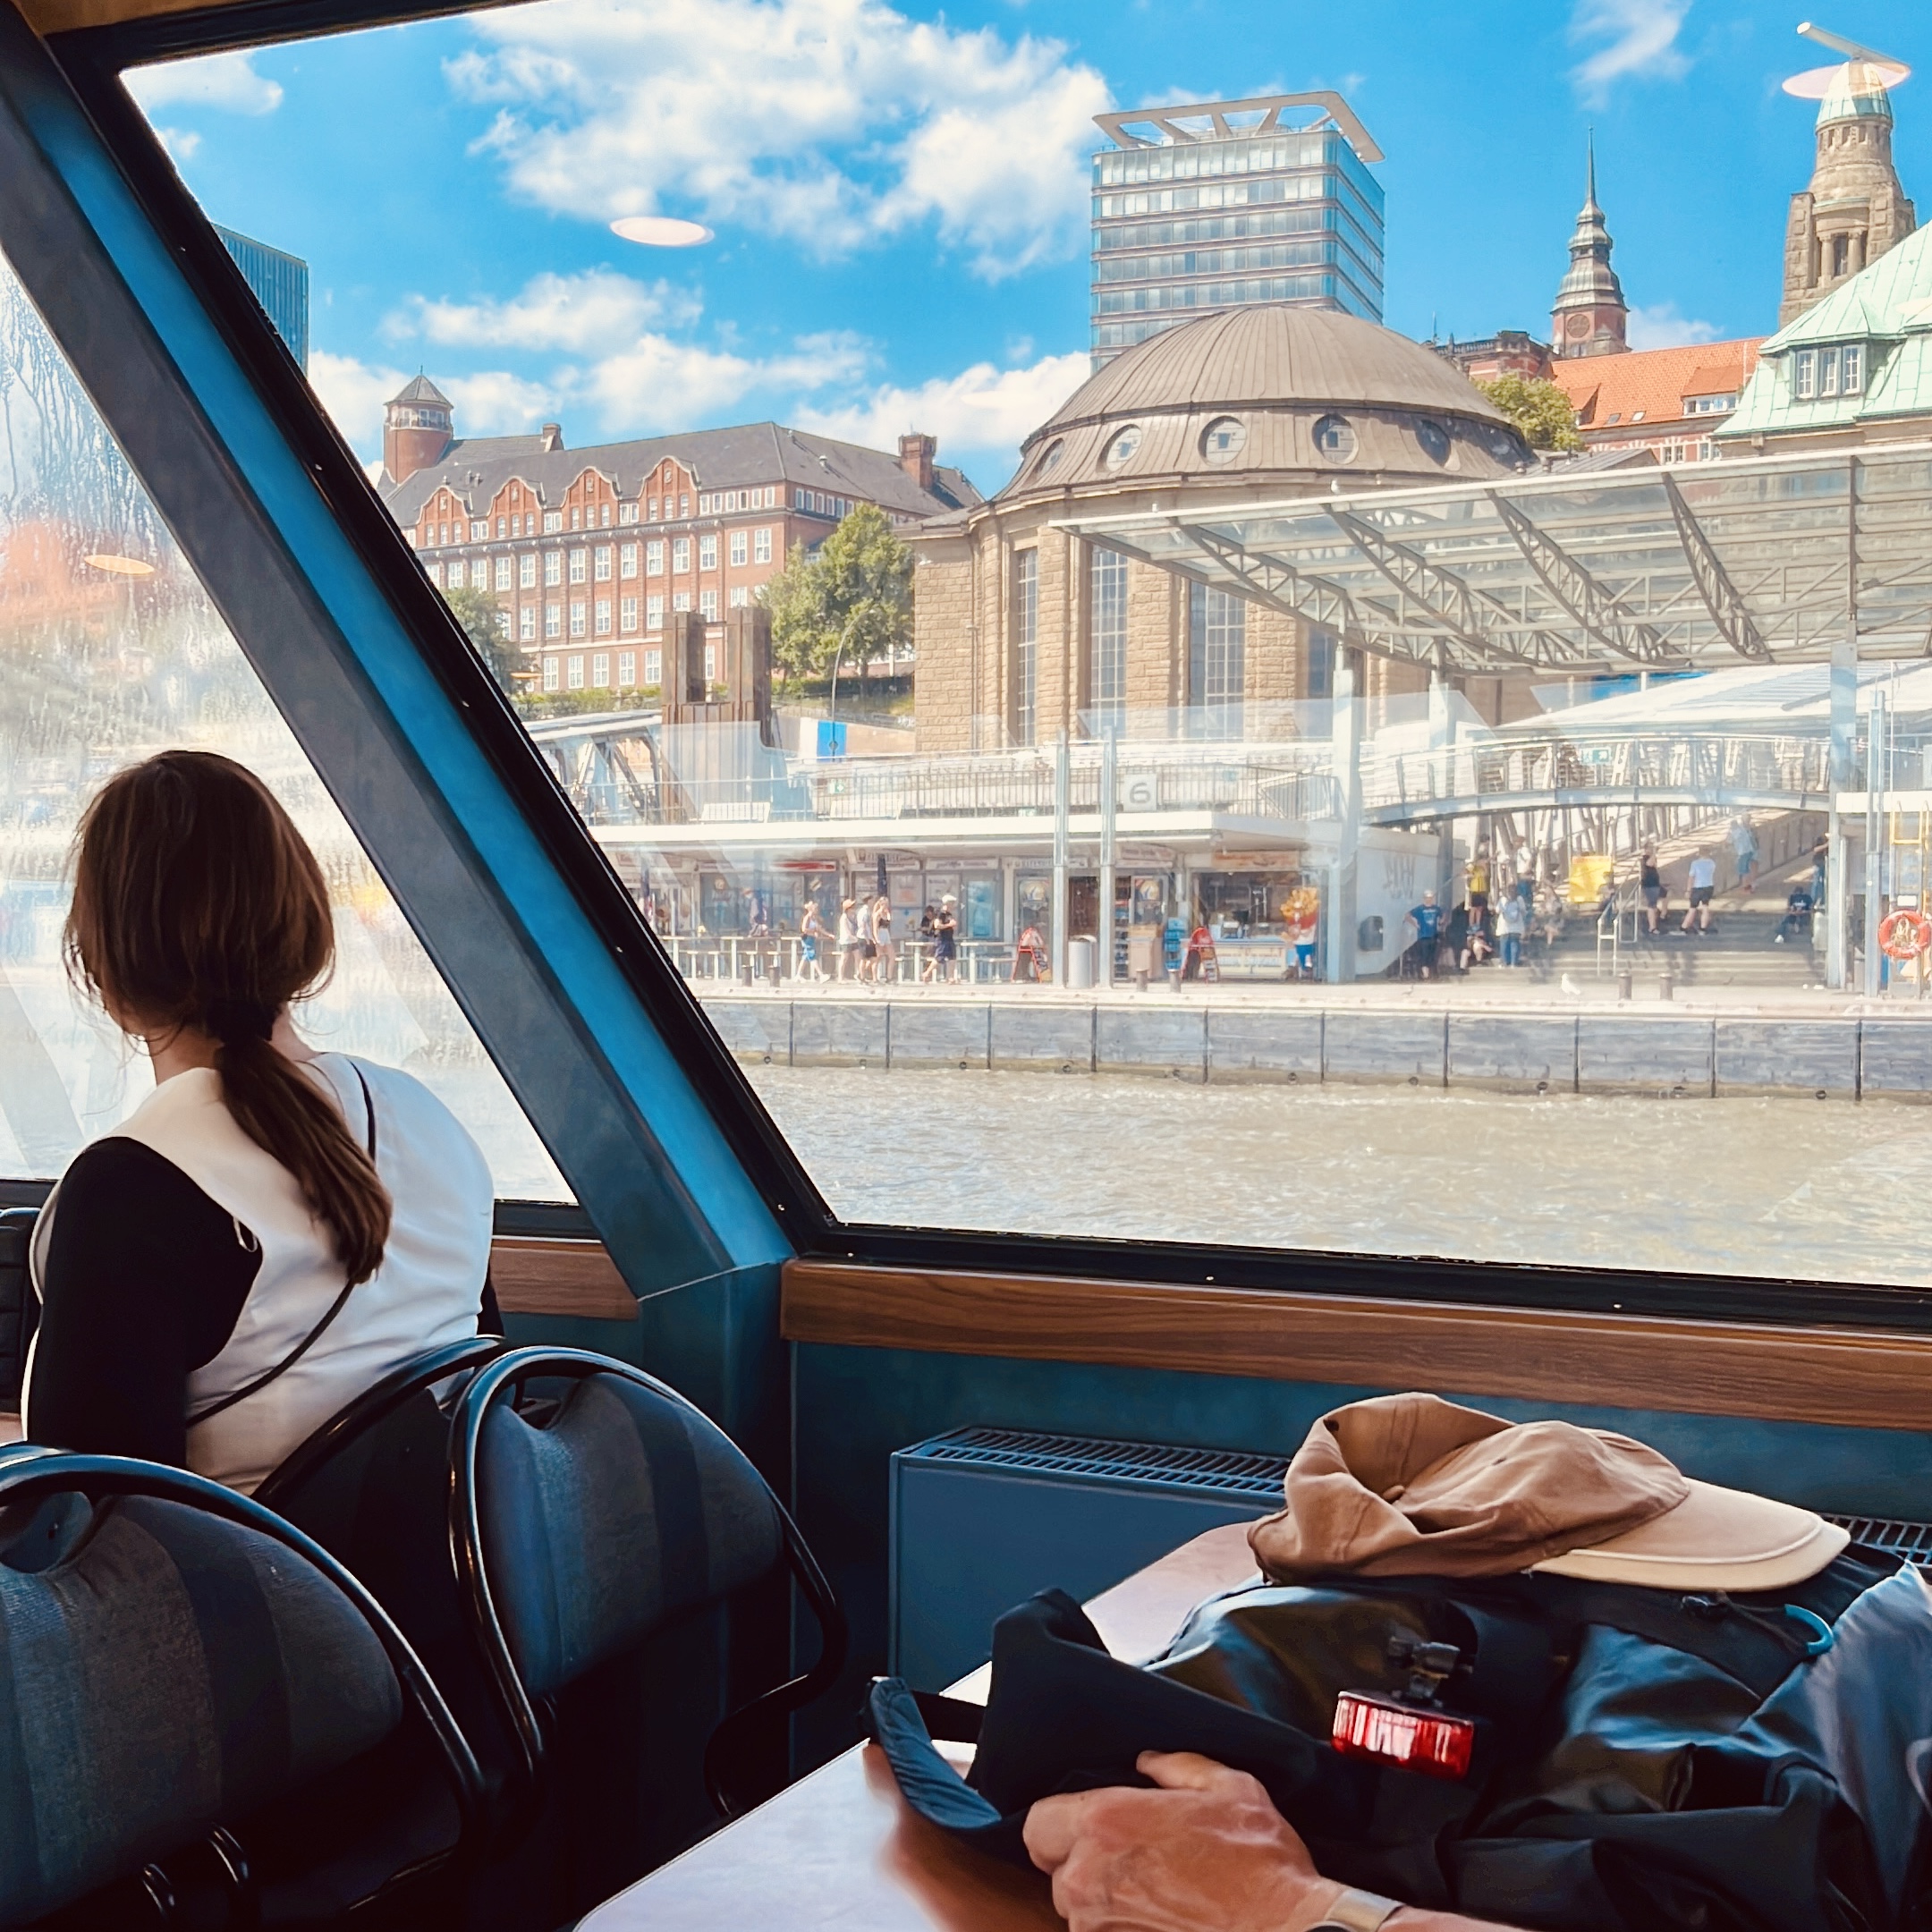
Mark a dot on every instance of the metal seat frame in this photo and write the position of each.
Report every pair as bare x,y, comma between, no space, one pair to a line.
30,1473
502,1380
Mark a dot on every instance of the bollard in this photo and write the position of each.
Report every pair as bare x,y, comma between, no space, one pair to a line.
1174,979
1140,980
1623,985
1664,986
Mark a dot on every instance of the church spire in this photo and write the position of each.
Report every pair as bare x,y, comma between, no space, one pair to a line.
1590,315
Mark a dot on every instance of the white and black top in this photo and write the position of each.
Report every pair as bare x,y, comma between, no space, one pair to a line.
177,1261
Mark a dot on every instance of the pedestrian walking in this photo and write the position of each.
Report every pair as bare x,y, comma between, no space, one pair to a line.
1513,921
1820,852
1650,883
887,960
811,930
849,959
1744,850
930,966
945,940
1427,920
862,924
1703,884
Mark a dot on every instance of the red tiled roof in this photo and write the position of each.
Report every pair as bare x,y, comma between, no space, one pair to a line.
1648,385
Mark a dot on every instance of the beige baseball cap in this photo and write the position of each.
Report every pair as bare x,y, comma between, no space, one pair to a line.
1414,1486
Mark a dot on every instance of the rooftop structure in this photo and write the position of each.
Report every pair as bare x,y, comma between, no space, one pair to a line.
1590,316
1854,209
1224,204
1776,560
1671,401
1022,634
1853,367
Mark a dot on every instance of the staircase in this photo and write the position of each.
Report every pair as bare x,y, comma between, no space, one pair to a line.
1739,952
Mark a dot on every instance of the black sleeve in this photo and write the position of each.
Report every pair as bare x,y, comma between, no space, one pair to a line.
490,1317
143,1279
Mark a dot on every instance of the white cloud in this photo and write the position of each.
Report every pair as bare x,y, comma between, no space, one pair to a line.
577,314
179,142
1660,327
1638,41
644,383
352,394
983,409
495,403
833,122
227,81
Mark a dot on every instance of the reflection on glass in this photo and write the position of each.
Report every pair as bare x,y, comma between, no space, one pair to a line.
1419,841
109,652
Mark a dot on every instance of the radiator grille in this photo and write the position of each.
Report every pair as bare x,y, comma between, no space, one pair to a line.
1247,1473
1230,1471
1910,1540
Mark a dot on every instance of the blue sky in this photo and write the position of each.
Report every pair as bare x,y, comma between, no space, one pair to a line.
898,194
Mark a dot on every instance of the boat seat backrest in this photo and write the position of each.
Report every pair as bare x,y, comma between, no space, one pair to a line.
168,1672
609,1518
18,1307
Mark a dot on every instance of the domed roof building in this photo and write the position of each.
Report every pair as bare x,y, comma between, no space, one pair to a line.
1023,631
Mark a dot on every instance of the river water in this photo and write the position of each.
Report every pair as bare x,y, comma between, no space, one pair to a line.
1767,1186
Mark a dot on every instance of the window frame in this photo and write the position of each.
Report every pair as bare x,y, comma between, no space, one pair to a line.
140,251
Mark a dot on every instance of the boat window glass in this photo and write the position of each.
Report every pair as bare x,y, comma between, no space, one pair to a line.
1361,951
111,651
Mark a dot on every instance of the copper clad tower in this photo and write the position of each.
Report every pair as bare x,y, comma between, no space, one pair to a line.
1590,316
1854,209
419,425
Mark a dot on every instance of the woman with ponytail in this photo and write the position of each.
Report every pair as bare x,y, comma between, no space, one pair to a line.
273,1229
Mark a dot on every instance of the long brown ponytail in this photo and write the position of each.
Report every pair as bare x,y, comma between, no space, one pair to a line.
198,904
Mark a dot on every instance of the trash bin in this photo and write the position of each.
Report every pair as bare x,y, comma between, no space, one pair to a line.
1080,963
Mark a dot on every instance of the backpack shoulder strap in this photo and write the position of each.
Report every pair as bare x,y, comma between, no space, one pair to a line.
321,1328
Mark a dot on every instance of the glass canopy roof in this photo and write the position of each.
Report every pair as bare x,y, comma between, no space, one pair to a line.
1694,567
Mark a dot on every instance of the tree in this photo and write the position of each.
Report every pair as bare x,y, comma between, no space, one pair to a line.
802,639
1539,408
850,603
482,617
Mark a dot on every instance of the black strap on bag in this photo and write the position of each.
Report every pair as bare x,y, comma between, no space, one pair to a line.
321,1328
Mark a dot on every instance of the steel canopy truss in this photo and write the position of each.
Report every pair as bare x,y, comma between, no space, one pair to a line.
1600,614
1728,611
1579,572
1476,619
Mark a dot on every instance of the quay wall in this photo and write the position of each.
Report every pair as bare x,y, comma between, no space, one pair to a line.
1674,1054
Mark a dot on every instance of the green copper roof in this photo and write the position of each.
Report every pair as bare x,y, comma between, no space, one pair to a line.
1888,308
1857,93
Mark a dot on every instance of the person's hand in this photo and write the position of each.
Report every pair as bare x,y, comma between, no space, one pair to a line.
1207,1852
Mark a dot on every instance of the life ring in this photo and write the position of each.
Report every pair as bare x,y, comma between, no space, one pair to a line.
1905,934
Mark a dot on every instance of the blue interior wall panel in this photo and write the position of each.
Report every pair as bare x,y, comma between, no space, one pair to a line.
852,1407
969,1542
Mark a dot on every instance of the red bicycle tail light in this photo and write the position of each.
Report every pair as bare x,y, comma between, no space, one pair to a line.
1430,1741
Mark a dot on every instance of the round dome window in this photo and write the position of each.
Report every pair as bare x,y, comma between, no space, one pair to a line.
1223,441
1335,440
1050,459
1434,439
1121,445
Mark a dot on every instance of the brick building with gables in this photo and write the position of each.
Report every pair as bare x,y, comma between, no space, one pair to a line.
589,552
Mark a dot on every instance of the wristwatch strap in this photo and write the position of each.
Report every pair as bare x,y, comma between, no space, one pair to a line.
1358,1911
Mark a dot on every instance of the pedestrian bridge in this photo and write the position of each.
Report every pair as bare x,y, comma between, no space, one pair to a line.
1712,772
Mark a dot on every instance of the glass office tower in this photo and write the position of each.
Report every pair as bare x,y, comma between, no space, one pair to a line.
1226,203
281,285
